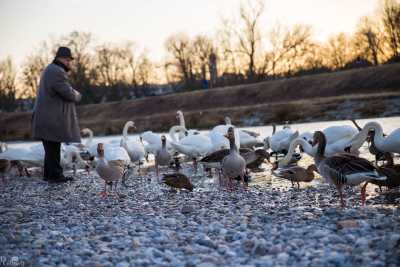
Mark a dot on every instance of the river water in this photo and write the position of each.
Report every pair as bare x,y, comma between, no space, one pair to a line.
261,178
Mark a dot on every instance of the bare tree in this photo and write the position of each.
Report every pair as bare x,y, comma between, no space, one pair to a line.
146,70
248,33
80,43
338,51
7,85
202,49
111,65
32,69
230,58
391,23
179,49
368,40
288,49
139,68
82,74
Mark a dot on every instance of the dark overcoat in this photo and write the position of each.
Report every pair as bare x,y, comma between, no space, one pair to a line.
54,116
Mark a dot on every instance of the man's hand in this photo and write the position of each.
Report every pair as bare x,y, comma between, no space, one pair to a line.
78,96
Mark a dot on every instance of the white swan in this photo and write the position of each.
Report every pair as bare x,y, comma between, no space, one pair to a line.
154,143
181,119
332,148
193,146
307,136
134,148
246,138
390,143
217,136
334,133
280,141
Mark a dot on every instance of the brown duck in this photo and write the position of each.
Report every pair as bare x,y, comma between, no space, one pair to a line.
178,181
297,174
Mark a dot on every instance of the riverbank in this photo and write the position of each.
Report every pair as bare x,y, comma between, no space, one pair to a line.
271,224
358,93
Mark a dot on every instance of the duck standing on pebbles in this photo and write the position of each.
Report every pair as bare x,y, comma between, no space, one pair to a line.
258,157
296,174
178,181
344,169
233,165
162,157
110,171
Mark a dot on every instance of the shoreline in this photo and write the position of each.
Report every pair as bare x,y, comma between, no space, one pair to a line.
271,224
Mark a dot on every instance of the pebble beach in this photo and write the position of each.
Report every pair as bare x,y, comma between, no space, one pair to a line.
148,224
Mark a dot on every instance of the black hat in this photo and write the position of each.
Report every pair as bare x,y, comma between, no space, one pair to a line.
64,52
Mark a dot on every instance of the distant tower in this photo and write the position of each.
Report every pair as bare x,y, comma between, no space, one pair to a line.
212,66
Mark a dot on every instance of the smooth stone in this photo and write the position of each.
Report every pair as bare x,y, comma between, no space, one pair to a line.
336,258
283,257
122,264
265,261
106,238
260,248
187,209
320,233
205,241
206,264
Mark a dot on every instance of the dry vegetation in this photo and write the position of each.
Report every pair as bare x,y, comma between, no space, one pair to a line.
359,92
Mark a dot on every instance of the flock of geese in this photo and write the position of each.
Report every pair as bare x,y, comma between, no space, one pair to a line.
231,153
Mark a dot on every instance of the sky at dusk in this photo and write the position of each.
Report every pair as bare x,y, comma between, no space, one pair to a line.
24,24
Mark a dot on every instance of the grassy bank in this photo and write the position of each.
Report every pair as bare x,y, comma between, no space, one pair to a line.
360,93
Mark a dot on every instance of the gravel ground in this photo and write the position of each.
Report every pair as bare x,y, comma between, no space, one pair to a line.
270,224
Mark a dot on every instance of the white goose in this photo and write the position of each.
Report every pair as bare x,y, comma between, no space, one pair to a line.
134,148
389,143
233,165
112,169
162,156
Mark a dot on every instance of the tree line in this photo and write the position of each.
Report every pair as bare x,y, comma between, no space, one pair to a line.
241,52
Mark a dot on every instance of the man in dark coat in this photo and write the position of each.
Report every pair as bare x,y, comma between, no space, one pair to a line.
54,117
